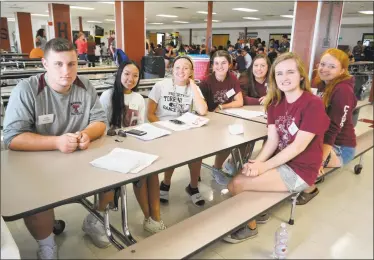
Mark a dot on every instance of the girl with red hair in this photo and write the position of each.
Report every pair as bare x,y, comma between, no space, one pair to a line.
336,88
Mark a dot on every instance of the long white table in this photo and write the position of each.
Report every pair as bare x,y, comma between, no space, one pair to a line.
259,119
36,181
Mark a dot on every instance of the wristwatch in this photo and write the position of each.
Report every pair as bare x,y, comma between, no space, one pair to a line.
220,107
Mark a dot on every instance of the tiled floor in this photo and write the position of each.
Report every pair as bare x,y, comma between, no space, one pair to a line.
338,223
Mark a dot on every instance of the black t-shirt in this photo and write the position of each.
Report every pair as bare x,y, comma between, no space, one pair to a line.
241,63
272,56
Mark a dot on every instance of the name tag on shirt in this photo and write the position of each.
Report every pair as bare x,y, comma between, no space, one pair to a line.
45,119
293,129
230,93
133,106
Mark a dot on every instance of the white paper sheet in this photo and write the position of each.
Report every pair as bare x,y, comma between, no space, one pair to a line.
152,132
193,120
124,161
247,114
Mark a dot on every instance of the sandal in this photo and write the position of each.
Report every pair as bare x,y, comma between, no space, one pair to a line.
320,179
304,197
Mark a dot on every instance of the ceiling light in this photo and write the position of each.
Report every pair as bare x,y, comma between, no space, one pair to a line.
40,15
11,19
251,18
110,20
111,3
366,12
47,11
179,22
287,16
81,7
203,12
166,15
155,23
215,21
94,22
244,10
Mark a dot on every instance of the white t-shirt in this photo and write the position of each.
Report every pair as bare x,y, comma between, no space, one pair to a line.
171,105
248,60
135,108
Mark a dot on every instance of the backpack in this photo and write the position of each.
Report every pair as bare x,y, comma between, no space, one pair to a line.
120,57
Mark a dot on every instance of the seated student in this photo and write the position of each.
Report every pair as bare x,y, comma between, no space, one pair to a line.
221,90
37,52
240,61
55,110
296,125
272,54
254,84
336,87
124,108
169,99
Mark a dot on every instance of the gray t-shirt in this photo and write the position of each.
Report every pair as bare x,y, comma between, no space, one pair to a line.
35,107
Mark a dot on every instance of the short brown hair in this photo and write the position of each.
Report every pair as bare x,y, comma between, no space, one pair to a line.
58,45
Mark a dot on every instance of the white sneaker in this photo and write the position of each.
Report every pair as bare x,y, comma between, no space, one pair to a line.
47,252
93,228
153,226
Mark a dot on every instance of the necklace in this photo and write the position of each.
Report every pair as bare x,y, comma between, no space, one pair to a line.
179,105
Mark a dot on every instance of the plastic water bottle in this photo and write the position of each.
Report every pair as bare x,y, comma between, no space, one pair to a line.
281,240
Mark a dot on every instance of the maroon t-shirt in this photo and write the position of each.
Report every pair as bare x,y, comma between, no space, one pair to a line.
261,90
340,110
216,92
309,115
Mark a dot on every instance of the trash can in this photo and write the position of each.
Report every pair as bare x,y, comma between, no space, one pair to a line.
201,65
153,67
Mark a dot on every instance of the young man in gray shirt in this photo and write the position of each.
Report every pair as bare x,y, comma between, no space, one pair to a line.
55,110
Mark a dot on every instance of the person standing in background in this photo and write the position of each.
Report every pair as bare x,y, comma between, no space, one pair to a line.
358,51
41,37
81,44
112,44
91,45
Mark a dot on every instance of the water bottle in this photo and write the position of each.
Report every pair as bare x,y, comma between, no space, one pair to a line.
281,239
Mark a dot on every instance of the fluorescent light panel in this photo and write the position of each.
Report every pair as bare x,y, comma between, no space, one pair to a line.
46,15
111,3
110,20
179,22
245,10
251,18
203,12
155,23
82,7
365,12
287,16
215,21
166,15
11,19
94,22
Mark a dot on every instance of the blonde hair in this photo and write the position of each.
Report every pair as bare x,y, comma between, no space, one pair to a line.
343,58
192,76
274,94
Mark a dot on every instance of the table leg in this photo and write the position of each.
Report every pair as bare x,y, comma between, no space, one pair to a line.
125,228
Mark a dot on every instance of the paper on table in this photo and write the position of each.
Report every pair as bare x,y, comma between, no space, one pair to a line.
236,129
173,126
152,132
124,161
193,120
243,113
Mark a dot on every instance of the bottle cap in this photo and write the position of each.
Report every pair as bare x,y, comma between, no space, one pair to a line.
283,225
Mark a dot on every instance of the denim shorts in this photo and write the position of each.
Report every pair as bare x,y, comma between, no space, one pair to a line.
345,153
293,181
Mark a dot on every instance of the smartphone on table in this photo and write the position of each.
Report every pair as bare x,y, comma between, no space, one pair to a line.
136,132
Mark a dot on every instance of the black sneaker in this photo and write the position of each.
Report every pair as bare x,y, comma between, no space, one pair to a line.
195,195
164,193
241,235
58,227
